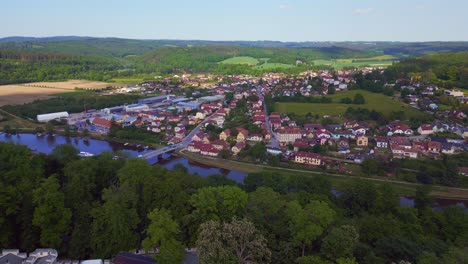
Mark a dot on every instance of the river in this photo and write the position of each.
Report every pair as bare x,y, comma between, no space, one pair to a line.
46,143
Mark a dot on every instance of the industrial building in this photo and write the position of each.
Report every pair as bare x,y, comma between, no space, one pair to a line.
156,99
52,116
136,107
211,99
115,109
188,105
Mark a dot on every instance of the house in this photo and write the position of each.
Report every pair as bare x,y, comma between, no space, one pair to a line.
275,123
194,146
313,127
425,130
180,134
225,134
288,135
42,256
200,115
199,136
129,258
462,132
342,143
220,144
242,134
447,148
456,114
359,130
421,146
348,124
255,137
362,141
300,144
463,171
209,150
381,142
238,147
274,151
402,152
434,146
12,256
308,158
401,129
102,123
322,133
454,93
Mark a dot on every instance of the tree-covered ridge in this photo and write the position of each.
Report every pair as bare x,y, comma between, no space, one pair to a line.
445,69
97,207
104,59
276,55
23,67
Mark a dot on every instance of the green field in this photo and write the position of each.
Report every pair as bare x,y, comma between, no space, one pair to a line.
377,61
128,80
269,66
374,101
260,64
241,60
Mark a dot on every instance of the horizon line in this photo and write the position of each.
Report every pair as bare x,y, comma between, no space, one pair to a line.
234,40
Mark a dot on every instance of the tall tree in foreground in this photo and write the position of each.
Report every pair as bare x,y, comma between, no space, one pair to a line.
114,223
340,242
237,241
308,223
162,232
50,214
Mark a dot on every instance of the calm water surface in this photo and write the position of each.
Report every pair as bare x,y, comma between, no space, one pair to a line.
45,144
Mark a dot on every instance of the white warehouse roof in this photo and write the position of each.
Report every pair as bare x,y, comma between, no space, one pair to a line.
51,116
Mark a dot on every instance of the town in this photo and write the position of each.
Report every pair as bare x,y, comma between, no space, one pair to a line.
234,116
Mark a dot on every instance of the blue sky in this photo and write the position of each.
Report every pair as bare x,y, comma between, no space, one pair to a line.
288,20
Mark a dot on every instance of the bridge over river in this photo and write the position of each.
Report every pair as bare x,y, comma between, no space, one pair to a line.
183,144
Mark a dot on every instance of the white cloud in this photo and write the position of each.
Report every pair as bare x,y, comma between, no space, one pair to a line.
363,10
285,7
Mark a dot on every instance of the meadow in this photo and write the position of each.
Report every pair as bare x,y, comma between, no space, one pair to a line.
251,61
377,61
374,101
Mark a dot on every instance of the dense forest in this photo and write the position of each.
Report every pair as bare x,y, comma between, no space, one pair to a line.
73,104
104,60
30,60
23,67
97,207
444,69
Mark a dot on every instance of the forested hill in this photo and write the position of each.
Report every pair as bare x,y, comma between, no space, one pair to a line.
24,59
104,59
121,47
448,69
278,55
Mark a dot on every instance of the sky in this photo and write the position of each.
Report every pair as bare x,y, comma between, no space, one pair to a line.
288,20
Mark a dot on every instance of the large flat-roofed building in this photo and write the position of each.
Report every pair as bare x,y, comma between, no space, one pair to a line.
188,105
209,99
156,99
52,116
136,108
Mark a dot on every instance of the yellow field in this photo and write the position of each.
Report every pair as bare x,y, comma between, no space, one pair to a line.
70,84
26,93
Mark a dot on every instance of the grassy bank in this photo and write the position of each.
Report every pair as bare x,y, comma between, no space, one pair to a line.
338,181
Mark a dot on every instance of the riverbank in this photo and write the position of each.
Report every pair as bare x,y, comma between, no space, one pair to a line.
339,181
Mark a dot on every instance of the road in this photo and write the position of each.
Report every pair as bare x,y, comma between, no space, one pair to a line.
183,144
273,140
